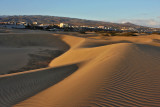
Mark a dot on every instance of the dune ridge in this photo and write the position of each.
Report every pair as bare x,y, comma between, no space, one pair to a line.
119,71
23,85
118,74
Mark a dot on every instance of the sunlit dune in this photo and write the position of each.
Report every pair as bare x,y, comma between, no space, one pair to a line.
94,72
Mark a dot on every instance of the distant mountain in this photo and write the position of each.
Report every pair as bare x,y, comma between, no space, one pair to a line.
129,24
57,20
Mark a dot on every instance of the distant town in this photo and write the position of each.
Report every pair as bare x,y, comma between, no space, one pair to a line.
68,27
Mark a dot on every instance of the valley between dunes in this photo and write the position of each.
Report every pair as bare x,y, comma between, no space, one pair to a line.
90,72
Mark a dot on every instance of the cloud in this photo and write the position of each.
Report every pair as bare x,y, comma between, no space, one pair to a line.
143,22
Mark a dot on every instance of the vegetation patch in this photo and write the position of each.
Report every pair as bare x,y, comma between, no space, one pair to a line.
116,33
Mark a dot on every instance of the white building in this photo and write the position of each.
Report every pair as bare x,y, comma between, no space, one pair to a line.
102,27
62,25
35,23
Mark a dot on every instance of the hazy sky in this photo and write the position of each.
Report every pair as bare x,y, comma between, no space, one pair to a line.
144,12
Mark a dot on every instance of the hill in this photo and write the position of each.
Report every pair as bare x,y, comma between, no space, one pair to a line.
57,20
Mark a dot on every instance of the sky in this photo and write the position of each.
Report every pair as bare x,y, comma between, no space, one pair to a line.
142,12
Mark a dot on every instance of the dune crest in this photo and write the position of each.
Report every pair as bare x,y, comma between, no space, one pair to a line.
118,74
118,71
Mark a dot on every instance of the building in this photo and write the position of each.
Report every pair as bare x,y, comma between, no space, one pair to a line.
102,27
62,25
35,23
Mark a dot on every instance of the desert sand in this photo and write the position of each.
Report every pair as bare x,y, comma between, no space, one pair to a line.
91,72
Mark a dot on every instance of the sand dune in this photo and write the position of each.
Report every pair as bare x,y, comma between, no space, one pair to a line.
23,85
119,71
16,47
7,61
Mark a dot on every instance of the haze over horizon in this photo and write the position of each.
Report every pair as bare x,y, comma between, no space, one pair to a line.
140,12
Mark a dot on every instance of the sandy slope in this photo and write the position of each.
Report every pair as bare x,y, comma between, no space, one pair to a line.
16,47
8,56
122,71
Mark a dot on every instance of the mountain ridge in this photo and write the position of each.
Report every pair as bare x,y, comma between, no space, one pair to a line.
45,19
